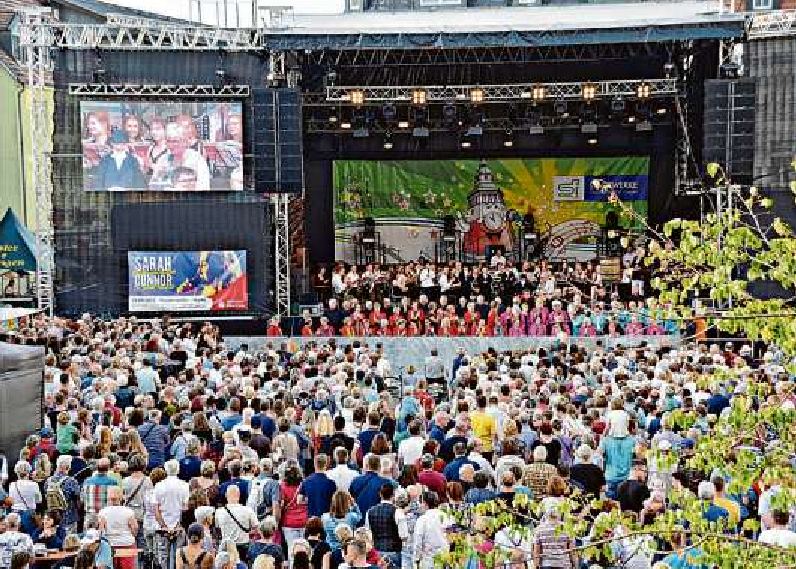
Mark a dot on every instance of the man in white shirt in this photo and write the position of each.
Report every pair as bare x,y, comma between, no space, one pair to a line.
182,168
429,536
342,474
13,541
117,522
410,450
235,520
779,534
171,498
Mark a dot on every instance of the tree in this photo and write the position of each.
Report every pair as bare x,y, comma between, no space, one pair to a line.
752,444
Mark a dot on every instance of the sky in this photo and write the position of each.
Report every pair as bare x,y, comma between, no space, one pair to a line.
179,8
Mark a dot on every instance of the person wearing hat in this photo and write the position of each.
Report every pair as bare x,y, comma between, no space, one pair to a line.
119,169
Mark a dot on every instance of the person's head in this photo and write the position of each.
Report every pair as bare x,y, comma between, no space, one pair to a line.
430,499
157,475
373,462
235,127
233,494
293,475
175,140
540,454
22,469
356,551
97,124
268,527
454,491
195,533
84,558
706,491
172,468
313,529
321,462
115,495
157,130
63,464
718,485
781,517
132,126
583,454
557,487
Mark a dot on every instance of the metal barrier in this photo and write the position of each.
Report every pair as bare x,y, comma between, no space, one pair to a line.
403,352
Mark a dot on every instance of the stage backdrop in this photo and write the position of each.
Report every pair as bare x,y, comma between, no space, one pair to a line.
187,280
409,200
146,146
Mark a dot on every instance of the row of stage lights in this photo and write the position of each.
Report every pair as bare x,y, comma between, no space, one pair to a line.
477,95
471,125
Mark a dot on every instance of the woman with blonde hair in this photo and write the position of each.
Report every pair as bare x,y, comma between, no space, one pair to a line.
206,482
324,429
105,442
136,445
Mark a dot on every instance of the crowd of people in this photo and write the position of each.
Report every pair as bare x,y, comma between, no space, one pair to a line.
496,299
165,448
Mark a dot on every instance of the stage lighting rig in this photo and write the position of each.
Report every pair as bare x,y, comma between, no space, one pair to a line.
643,91
476,95
419,97
589,91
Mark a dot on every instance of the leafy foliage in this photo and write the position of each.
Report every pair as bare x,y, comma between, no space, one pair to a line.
751,444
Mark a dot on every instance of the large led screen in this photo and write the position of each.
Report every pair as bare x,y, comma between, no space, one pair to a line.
173,281
156,146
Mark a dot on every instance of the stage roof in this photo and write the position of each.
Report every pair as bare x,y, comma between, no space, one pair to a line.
510,27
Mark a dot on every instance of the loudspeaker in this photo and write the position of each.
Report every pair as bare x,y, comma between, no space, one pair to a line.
277,140
729,126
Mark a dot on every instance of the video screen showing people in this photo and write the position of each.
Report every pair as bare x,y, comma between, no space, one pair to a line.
156,146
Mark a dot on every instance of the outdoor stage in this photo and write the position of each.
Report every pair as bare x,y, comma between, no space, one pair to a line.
343,118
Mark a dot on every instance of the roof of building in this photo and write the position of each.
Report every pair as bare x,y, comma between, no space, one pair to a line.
538,25
103,9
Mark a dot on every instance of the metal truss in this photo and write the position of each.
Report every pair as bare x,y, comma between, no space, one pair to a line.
370,58
281,203
500,93
39,69
127,90
141,34
772,24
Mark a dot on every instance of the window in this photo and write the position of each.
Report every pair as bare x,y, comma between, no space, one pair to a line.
762,4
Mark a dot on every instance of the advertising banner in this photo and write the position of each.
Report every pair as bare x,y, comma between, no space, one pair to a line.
176,281
156,146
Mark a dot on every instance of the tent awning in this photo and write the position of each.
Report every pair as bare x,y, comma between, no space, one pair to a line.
17,244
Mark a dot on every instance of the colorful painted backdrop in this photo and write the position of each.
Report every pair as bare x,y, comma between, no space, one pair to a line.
433,189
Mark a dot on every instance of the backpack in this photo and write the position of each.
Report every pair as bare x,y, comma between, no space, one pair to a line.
55,497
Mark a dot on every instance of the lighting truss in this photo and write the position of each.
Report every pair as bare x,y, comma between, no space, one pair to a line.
127,90
501,93
39,70
281,204
772,24
141,34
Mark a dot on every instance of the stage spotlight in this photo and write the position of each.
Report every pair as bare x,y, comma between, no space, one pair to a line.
538,93
643,91
389,112
669,69
465,143
403,124
356,97
561,108
508,140
477,95
388,140
331,78
661,110
419,97
592,140
345,124
589,91
332,118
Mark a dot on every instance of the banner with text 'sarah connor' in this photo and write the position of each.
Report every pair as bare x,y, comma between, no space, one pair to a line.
177,281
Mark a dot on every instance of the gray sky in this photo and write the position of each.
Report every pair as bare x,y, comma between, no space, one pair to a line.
179,8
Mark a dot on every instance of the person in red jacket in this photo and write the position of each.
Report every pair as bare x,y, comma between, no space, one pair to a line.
306,329
273,327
